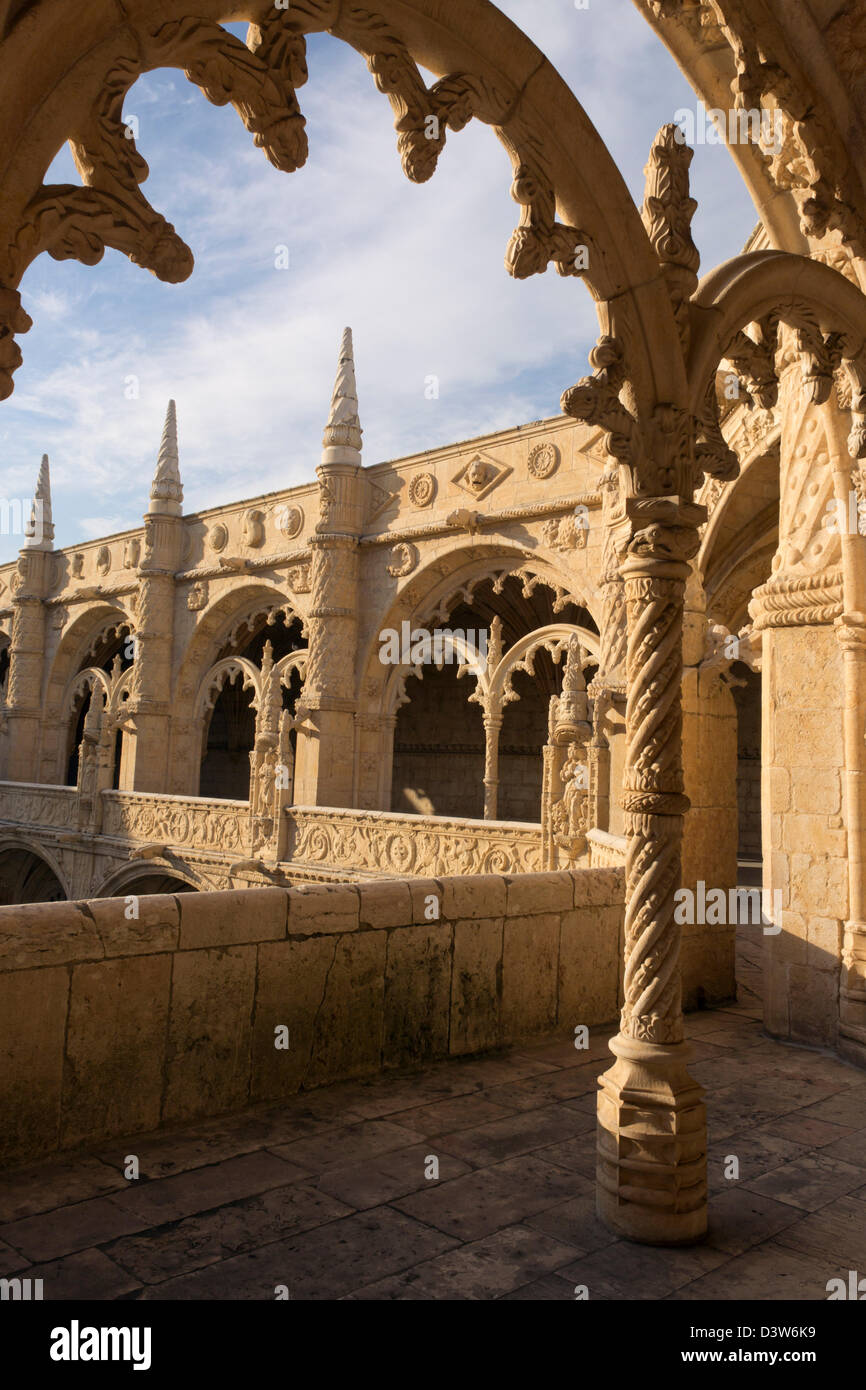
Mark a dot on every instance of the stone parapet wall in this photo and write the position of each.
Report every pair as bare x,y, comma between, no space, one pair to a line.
112,1025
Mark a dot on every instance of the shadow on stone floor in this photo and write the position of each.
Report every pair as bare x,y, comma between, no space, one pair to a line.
333,1195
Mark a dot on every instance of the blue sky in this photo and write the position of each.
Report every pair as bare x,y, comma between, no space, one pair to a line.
249,351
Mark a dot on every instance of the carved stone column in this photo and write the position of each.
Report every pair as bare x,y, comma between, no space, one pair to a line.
27,648
492,730
326,743
651,1118
565,797
95,762
851,633
146,763
371,754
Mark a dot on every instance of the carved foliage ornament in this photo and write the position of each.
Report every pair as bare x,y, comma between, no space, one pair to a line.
404,558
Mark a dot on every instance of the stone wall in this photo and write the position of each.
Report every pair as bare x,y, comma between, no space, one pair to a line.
803,807
111,1025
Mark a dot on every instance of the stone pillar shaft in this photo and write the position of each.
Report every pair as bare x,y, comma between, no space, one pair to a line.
492,730
651,1119
26,664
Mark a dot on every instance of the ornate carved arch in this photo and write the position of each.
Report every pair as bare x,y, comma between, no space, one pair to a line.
438,587
554,639
220,626
81,640
824,308
227,671
801,72
486,68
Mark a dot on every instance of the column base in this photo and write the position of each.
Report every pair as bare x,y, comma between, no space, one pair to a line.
652,1145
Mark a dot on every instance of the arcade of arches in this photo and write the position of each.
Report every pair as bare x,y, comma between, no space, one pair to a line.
672,597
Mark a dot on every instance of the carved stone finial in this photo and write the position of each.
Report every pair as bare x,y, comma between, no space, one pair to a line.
39,534
166,492
667,216
342,438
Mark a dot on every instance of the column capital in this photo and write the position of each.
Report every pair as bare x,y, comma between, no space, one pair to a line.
657,535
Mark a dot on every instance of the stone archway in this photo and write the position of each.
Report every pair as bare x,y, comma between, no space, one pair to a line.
90,642
233,629
28,874
138,880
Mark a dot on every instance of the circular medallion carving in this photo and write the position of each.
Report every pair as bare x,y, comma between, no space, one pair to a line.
290,521
422,489
218,536
543,460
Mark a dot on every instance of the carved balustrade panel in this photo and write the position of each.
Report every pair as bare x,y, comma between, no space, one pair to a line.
386,846
30,804
176,820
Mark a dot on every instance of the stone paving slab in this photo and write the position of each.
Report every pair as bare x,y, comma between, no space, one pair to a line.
333,1194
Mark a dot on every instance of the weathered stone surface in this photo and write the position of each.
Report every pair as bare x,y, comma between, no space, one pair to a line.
530,954
147,925
477,985
115,1047
317,910
33,1008
349,1026
417,994
209,1031
291,986
212,919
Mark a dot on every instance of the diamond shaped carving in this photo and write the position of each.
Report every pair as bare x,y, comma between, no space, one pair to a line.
480,476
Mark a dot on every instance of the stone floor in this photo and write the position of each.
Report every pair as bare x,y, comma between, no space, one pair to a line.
329,1196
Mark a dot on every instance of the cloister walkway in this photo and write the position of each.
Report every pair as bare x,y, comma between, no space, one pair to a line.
332,1195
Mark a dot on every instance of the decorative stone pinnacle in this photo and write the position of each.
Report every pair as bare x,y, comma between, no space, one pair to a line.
342,438
166,492
39,533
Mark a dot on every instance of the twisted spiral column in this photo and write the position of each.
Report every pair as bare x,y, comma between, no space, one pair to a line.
654,805
651,1120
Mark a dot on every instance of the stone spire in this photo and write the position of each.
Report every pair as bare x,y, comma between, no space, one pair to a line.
166,492
39,533
342,438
